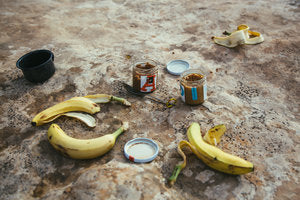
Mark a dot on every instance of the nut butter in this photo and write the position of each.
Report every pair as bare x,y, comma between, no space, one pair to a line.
144,76
193,87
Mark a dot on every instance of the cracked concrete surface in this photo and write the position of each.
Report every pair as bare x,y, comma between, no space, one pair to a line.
252,89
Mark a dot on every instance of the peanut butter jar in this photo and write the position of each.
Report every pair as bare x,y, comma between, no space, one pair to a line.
193,87
144,76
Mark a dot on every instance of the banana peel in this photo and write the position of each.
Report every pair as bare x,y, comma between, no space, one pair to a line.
87,104
213,135
89,120
105,98
241,36
209,154
74,104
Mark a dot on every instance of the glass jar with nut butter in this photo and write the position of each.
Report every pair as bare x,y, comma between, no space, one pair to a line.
193,87
144,76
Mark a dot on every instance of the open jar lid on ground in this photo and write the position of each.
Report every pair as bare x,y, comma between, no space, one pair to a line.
141,150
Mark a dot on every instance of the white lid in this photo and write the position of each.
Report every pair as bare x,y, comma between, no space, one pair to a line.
176,67
141,150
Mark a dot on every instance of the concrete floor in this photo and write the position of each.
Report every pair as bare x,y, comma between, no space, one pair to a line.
252,89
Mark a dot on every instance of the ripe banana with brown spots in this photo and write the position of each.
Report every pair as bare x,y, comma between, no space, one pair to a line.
86,104
210,155
82,148
74,104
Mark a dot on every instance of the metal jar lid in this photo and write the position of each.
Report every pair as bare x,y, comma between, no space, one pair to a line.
176,67
141,150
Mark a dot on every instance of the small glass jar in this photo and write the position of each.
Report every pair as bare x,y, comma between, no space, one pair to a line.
144,76
193,87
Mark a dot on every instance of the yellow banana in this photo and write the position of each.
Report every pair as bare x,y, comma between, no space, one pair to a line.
82,148
241,36
215,157
105,98
73,104
213,135
210,155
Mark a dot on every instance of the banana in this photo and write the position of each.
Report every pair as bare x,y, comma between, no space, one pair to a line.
213,135
215,157
241,36
85,104
82,148
210,155
105,98
73,104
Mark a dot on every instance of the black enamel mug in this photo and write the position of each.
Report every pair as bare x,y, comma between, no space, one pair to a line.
37,66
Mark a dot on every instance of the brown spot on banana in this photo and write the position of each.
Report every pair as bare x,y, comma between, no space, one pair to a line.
43,116
61,147
65,148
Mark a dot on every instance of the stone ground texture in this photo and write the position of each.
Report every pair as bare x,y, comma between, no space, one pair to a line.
252,89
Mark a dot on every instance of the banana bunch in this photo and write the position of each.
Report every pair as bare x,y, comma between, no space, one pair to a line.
87,104
79,148
241,36
82,148
209,154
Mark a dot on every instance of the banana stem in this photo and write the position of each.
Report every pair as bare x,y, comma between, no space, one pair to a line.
175,174
180,166
118,132
121,100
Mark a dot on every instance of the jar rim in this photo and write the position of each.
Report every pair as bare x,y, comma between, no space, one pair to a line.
138,61
150,61
193,71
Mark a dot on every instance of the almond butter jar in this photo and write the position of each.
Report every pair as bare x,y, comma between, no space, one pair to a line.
144,76
193,87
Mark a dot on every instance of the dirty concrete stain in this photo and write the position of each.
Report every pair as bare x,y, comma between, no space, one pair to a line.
252,89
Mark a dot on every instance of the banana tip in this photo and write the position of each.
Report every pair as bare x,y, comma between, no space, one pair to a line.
33,123
171,182
127,103
125,126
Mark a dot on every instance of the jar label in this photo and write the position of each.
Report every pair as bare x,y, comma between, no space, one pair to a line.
148,83
182,93
194,94
204,92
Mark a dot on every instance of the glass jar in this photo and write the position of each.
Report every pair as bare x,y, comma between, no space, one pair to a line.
144,76
193,87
